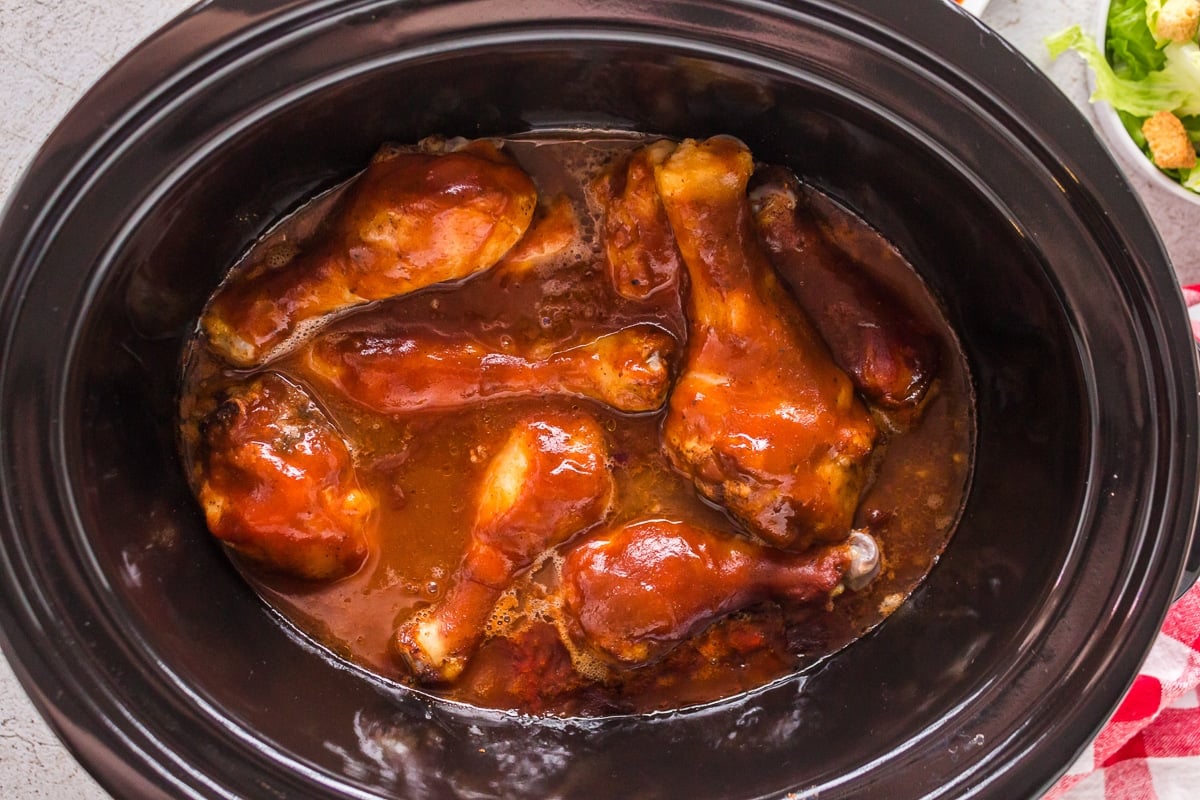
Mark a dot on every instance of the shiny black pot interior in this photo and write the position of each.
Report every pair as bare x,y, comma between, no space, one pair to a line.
168,677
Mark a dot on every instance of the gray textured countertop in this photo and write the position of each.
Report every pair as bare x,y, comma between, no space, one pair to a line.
52,50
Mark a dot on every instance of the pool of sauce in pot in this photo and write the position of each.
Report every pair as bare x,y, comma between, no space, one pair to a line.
425,469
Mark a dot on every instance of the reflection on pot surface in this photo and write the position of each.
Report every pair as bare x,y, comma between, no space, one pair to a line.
579,424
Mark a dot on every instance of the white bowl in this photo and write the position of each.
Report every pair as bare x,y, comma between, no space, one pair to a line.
1116,137
976,7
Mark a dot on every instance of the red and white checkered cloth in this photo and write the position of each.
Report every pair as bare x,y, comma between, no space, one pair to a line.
1150,749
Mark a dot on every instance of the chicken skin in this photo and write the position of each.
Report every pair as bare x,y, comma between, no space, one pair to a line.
761,418
887,355
278,484
641,255
634,592
410,220
550,481
420,369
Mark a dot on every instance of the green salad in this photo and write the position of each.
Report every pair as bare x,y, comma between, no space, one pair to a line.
1150,64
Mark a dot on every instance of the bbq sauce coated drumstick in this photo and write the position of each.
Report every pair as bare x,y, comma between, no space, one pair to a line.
871,334
634,592
278,484
550,481
639,247
412,219
421,369
553,234
761,418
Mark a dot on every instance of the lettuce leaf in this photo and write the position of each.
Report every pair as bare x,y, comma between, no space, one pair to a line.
1153,7
1175,87
1133,126
1140,75
1191,179
1132,49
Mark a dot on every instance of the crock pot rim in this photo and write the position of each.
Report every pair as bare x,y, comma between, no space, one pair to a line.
66,724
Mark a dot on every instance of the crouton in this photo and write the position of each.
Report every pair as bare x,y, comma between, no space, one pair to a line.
1177,21
1170,146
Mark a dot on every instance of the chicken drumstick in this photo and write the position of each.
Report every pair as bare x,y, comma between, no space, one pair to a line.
550,481
634,592
761,419
410,220
278,484
410,369
890,359
639,248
